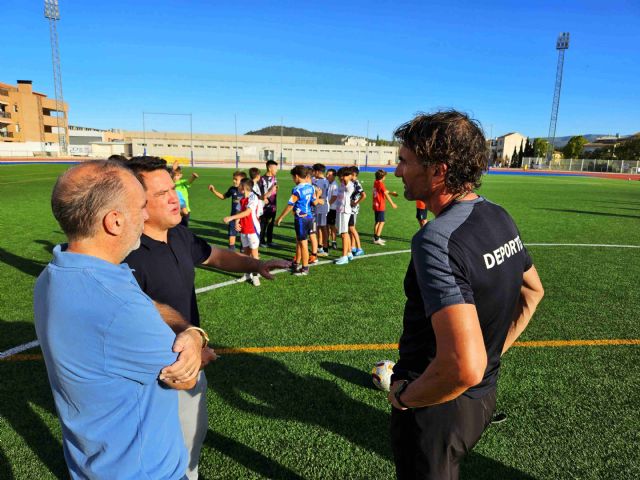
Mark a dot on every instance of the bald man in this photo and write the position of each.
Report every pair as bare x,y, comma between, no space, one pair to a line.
104,343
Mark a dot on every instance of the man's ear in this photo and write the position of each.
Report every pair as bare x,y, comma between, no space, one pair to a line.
113,223
441,170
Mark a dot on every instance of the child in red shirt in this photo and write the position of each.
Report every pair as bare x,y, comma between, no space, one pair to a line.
380,196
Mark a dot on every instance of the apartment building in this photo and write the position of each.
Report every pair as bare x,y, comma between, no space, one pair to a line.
505,144
29,120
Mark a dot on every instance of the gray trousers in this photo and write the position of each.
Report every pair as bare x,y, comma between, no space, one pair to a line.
192,408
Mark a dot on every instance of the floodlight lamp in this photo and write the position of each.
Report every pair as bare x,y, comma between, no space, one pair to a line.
563,41
51,9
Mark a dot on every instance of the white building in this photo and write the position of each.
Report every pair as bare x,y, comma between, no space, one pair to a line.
356,142
506,143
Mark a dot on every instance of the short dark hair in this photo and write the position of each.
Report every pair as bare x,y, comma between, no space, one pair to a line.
240,174
271,162
253,172
117,158
318,167
331,170
452,138
355,170
76,203
300,170
344,171
380,174
246,182
145,164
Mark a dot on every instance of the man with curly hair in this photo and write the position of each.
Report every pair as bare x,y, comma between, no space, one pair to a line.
471,290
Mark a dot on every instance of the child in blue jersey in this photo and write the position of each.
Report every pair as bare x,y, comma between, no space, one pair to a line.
303,196
236,194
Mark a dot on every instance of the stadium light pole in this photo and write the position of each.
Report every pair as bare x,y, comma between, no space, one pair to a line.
366,155
235,124
562,44
52,13
281,129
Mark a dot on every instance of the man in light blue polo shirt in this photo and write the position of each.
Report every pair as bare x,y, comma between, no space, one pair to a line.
104,343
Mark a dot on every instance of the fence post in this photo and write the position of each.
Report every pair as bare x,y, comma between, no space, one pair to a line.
608,165
582,165
570,163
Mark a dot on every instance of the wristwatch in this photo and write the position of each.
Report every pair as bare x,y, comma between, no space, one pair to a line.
403,386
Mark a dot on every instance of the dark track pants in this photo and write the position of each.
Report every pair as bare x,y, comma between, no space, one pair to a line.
267,220
429,443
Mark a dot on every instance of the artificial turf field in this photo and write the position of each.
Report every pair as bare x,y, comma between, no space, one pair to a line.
573,411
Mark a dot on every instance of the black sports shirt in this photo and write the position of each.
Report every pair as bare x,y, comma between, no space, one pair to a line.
166,271
470,253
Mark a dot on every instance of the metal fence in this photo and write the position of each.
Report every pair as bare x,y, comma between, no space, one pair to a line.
583,165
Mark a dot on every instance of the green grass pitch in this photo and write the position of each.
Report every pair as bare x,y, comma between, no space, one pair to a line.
572,411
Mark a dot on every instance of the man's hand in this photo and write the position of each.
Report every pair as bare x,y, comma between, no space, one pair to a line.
278,221
265,268
226,220
188,345
194,175
208,355
394,205
212,189
392,397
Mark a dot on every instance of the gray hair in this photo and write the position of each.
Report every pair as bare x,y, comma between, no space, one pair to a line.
85,191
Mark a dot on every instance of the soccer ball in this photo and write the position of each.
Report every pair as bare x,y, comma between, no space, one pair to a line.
381,374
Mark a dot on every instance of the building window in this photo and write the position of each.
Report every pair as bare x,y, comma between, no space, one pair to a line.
15,108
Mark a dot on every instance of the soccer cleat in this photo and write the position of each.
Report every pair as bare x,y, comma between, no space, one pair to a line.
379,242
350,257
313,259
354,250
293,267
342,261
302,272
255,280
322,253
359,252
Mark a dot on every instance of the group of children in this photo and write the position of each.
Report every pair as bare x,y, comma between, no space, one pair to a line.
325,205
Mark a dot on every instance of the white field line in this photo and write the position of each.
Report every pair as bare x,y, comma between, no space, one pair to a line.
18,349
35,343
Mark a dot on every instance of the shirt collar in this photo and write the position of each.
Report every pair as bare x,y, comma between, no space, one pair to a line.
65,259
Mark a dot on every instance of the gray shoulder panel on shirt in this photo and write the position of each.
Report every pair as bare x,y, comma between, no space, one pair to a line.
430,255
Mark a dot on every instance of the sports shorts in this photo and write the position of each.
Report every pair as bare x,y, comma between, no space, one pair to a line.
331,217
303,227
352,219
379,215
342,223
321,219
232,228
250,240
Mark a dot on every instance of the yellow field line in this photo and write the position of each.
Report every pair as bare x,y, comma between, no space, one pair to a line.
351,347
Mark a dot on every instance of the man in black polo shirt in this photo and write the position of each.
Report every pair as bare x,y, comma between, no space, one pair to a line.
471,290
164,266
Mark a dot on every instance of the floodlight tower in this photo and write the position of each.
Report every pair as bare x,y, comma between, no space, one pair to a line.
52,13
562,44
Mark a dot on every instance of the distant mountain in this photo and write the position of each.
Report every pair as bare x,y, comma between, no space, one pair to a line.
562,141
324,138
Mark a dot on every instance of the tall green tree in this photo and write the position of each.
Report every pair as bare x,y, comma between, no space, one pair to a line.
514,158
520,154
574,147
540,146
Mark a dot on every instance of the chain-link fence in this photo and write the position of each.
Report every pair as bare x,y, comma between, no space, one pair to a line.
583,165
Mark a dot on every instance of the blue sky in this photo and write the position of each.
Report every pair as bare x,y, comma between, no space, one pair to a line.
333,66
